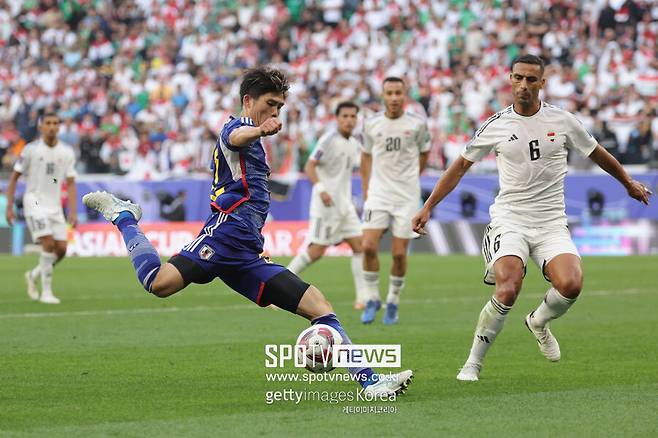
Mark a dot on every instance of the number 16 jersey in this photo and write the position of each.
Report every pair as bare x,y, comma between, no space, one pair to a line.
531,155
395,146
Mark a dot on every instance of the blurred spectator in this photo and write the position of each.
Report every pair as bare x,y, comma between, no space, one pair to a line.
639,149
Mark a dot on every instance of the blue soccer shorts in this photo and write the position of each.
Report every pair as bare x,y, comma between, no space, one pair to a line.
237,261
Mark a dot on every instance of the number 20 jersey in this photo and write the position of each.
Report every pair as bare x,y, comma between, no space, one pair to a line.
395,146
531,155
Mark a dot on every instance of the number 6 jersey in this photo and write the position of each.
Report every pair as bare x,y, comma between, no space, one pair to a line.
395,146
531,155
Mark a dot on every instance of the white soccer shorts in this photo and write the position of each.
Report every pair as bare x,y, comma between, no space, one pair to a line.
377,218
542,244
44,222
332,230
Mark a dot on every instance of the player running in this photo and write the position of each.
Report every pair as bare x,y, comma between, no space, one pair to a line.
333,216
530,139
230,243
395,151
46,163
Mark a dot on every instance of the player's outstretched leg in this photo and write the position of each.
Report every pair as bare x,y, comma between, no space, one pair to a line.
314,306
125,214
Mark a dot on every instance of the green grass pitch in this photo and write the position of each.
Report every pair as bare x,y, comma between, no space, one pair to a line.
113,361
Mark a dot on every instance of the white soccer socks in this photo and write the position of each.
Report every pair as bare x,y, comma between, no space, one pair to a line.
490,323
359,282
553,306
371,282
46,262
395,286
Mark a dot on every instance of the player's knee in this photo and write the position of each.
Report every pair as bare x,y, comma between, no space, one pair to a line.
370,248
569,286
47,245
507,291
161,288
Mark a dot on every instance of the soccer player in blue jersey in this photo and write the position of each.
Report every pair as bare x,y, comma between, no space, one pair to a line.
230,245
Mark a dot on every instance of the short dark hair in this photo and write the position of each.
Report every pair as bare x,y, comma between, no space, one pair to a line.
529,59
393,79
43,116
262,80
346,104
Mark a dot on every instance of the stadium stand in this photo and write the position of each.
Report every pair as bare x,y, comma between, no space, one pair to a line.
143,86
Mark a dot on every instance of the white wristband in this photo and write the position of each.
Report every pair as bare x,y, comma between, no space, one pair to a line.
320,187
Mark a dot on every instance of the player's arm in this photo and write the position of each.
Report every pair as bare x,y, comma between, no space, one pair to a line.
443,187
422,161
246,135
11,191
366,169
312,174
73,201
607,162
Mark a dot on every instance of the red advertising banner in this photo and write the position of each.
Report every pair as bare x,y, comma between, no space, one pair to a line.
103,239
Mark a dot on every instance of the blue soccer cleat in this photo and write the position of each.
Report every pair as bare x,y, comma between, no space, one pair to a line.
391,315
371,309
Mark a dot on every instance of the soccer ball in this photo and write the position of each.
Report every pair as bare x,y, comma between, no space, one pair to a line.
318,341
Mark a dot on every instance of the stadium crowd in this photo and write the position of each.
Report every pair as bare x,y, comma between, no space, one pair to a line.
143,86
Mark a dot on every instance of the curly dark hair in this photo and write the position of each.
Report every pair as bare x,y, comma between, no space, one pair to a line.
262,80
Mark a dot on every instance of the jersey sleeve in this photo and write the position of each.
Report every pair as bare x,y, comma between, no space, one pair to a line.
484,140
232,125
23,160
321,149
424,138
577,136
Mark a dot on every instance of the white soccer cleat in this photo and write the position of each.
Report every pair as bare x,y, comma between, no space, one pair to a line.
32,290
49,299
389,385
547,343
470,372
110,206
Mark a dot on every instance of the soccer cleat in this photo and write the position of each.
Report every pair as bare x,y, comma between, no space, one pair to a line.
32,290
470,372
391,315
110,206
371,309
547,343
49,299
391,384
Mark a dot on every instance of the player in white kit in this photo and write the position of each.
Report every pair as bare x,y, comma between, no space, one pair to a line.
45,163
333,216
530,139
395,151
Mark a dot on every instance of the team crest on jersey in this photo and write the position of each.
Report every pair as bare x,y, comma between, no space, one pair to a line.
206,252
551,136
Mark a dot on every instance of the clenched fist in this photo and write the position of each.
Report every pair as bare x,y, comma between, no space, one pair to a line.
270,127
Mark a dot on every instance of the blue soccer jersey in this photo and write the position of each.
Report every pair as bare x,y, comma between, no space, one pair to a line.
230,244
240,174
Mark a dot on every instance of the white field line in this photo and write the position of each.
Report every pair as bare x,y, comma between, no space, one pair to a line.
173,309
